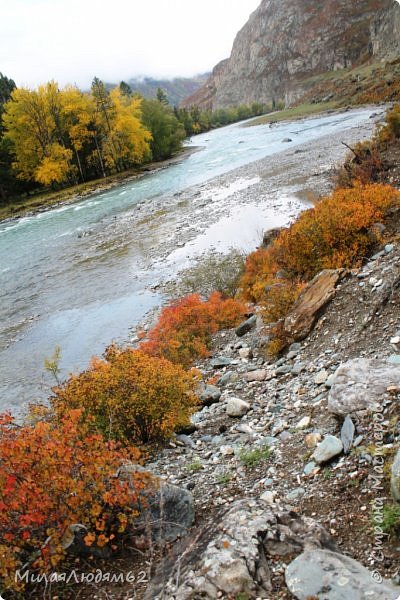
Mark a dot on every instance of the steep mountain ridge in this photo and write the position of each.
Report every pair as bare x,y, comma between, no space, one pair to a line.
286,42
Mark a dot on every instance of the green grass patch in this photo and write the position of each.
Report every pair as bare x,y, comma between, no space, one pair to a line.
297,112
252,458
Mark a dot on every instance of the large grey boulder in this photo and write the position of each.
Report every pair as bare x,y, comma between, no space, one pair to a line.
360,384
324,575
395,477
231,555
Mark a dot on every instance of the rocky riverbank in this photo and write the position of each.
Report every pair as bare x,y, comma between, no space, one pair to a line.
288,457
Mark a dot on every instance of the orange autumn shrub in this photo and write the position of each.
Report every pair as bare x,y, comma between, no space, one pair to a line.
184,329
260,271
130,395
335,233
52,477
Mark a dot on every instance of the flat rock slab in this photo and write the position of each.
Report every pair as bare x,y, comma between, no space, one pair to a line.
326,575
311,301
360,384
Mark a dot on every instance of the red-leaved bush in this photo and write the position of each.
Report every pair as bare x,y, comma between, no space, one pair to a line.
184,329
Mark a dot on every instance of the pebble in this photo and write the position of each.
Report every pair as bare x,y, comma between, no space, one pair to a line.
304,423
321,377
312,439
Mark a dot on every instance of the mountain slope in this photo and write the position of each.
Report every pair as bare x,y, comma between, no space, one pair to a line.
285,42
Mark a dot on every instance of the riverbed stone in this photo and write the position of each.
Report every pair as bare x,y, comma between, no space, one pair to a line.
236,407
220,361
325,575
228,377
208,394
257,375
330,447
360,384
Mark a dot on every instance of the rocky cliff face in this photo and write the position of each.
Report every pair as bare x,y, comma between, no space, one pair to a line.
285,42
385,32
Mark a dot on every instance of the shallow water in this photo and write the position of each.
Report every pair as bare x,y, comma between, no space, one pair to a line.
78,276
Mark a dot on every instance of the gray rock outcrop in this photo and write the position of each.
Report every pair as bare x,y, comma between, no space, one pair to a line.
232,556
284,42
326,575
360,384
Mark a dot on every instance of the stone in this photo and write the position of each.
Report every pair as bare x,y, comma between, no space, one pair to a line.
304,423
246,353
347,434
208,394
330,381
220,361
284,369
295,494
235,554
389,248
226,450
310,468
186,440
321,377
286,140
360,384
268,497
312,300
246,326
228,377
325,575
257,375
168,508
235,407
312,439
395,477
330,447
295,347
297,368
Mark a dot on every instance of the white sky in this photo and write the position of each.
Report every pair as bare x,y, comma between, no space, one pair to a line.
71,41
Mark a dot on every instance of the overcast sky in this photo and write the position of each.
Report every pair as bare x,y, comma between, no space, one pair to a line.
73,40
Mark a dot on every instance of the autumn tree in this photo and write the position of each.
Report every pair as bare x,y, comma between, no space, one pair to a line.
33,123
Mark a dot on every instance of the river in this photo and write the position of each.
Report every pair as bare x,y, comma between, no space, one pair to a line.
78,276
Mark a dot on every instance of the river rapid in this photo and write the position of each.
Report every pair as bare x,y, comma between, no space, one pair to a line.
81,275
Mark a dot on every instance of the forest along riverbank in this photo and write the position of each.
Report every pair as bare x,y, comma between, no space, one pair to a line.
79,275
